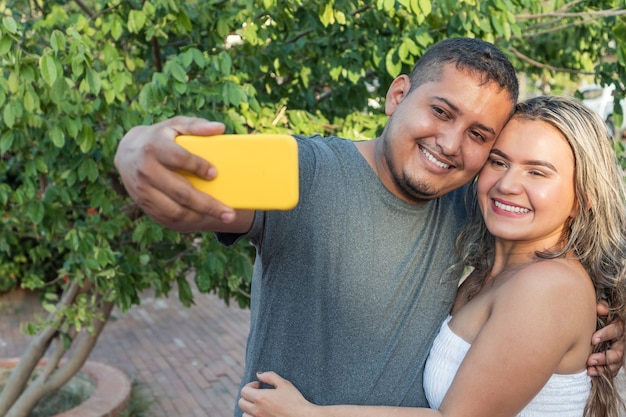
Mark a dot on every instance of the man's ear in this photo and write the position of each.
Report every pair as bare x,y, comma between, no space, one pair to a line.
398,89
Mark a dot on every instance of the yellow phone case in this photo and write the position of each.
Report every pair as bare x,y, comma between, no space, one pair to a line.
257,171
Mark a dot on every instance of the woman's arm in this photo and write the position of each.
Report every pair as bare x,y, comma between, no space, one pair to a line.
286,401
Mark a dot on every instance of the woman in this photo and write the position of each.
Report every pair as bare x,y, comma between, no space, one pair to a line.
550,243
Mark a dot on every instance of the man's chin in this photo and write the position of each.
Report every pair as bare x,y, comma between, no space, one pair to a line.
420,195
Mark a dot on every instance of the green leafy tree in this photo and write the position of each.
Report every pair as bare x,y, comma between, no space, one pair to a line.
78,74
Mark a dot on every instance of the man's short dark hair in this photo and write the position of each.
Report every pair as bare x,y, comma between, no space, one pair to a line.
474,55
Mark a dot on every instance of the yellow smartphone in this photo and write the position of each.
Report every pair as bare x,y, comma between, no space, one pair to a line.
256,172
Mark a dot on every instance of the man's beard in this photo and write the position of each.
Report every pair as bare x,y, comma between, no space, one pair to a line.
412,189
416,191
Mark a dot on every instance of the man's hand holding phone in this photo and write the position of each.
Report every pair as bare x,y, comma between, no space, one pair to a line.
149,162
254,172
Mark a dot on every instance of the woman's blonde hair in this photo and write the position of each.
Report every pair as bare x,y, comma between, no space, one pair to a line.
597,234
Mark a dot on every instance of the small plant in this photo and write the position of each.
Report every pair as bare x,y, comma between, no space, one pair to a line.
76,391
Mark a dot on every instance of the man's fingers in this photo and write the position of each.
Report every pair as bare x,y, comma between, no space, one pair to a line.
612,331
162,150
609,360
602,308
181,158
194,126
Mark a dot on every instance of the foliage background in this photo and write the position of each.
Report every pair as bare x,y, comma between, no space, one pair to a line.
78,74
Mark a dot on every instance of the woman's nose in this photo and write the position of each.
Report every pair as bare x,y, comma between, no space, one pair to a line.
510,182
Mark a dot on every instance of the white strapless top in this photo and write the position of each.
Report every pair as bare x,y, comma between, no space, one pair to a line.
562,396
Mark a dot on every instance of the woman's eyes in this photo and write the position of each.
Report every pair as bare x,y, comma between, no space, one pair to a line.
501,164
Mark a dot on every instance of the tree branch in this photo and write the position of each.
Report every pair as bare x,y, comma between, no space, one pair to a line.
59,375
529,34
55,372
298,36
538,64
30,359
600,14
85,9
156,50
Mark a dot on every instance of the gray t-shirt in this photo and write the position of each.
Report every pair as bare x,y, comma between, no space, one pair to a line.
350,287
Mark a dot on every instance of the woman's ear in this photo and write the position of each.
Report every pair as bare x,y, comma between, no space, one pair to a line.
574,211
398,89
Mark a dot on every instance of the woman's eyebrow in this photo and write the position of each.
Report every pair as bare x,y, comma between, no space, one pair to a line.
535,162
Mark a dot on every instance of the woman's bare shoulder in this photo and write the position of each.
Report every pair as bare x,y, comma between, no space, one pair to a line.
563,283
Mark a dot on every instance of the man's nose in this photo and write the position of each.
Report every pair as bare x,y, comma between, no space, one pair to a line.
450,141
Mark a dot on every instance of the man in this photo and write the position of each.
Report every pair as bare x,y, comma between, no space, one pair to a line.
350,287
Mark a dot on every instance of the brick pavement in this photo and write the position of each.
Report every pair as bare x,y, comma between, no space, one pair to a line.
188,361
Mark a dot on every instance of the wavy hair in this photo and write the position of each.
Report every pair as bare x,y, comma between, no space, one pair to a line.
597,234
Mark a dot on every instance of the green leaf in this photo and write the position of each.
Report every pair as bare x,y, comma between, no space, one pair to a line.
335,72
425,6
93,80
59,91
35,211
222,27
9,114
199,58
180,88
50,296
136,21
6,141
67,340
48,69
14,82
88,170
185,295
9,25
187,57
117,29
41,166
57,136
225,63
6,42
497,25
177,71
29,101
57,41
304,75
183,20
327,17
86,139
50,308
394,66
233,94
144,259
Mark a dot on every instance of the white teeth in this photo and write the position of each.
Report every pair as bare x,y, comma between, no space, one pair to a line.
434,160
511,208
